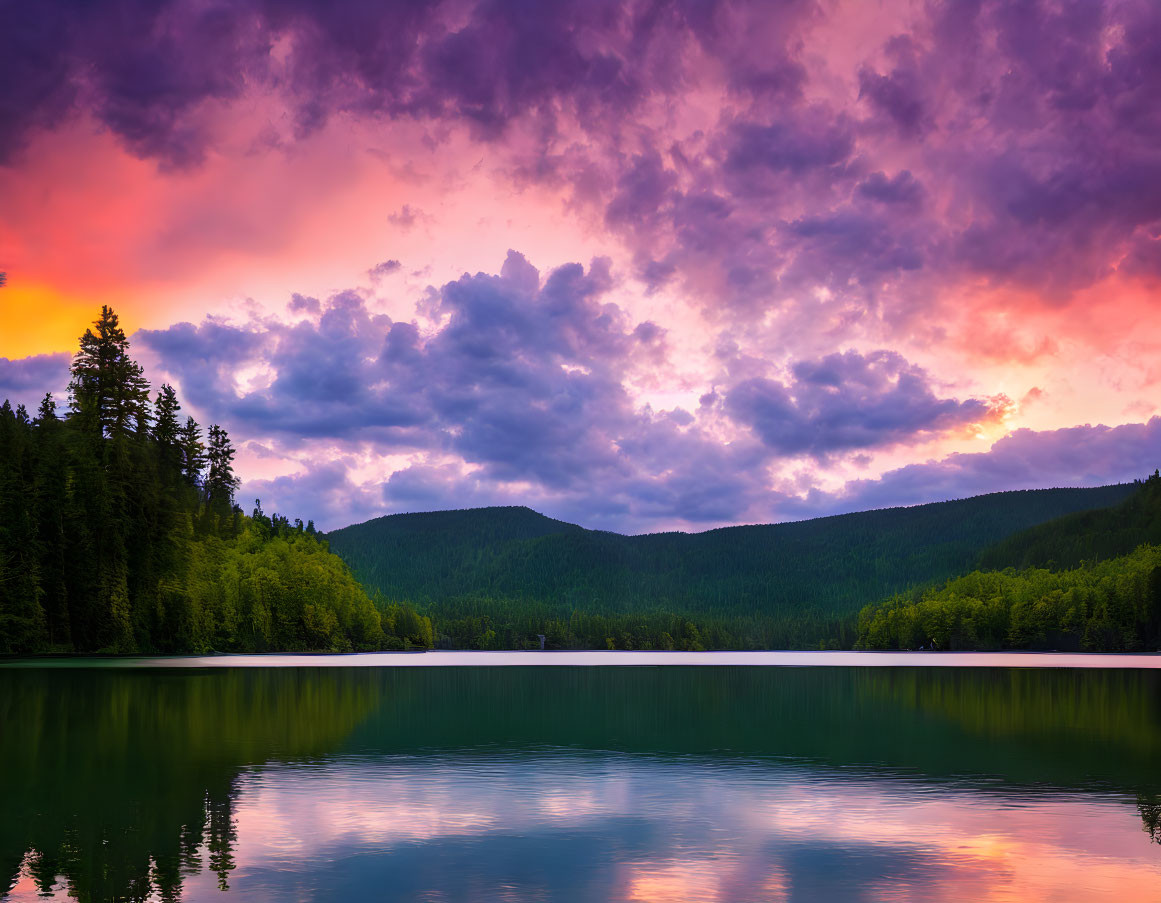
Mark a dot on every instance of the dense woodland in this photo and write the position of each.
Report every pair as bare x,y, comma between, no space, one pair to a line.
1095,535
1112,606
497,578
1078,583
119,532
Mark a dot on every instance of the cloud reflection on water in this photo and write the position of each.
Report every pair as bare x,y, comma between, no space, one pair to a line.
686,829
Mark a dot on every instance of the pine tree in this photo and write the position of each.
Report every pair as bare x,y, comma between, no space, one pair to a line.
167,432
61,556
220,480
109,394
166,428
47,409
193,452
110,404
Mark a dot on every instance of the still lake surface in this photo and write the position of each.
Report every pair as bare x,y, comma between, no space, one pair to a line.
718,783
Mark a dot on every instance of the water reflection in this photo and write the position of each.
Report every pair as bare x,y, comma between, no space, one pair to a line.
593,784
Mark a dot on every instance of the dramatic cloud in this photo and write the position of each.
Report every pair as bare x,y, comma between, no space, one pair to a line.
521,392
851,401
1035,124
148,70
522,382
830,242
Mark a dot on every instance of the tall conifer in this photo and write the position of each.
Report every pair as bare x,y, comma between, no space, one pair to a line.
109,393
193,452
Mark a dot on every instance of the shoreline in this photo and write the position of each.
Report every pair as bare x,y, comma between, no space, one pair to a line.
609,658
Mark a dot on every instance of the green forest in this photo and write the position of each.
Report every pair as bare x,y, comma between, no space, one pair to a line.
1111,606
119,532
498,578
1081,582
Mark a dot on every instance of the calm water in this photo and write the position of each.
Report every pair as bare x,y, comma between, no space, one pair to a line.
571,783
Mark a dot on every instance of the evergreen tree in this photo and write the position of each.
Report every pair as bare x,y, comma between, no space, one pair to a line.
167,430
21,613
109,392
58,527
193,452
220,480
47,409
109,400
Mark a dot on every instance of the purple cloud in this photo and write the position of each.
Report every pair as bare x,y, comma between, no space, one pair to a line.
903,188
1025,459
850,401
144,69
141,68
1037,123
899,95
386,268
521,395
818,140
524,378
701,496
1029,142
26,380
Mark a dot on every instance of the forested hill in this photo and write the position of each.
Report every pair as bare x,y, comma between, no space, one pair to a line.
828,567
1085,535
1089,580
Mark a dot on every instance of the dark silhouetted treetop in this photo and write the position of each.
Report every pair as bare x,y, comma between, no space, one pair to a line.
109,393
220,482
192,452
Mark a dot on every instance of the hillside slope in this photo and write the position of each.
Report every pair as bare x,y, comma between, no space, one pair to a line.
1089,580
828,566
1083,536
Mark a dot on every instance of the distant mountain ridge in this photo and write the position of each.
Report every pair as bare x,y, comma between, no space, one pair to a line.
826,567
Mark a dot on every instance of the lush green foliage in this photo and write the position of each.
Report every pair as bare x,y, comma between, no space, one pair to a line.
1089,580
1112,605
119,533
499,577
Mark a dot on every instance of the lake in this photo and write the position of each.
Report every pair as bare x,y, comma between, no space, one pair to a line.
152,781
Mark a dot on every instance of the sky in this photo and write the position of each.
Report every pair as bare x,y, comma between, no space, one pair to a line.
638,265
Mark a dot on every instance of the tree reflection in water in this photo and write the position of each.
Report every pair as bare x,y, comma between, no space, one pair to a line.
123,782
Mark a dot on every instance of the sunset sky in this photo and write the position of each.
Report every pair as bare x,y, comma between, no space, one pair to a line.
637,265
